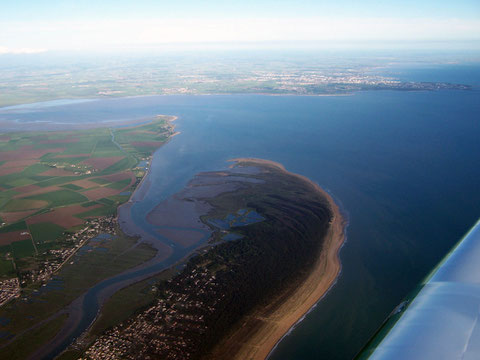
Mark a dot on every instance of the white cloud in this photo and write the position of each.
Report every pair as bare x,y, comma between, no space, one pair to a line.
125,33
5,50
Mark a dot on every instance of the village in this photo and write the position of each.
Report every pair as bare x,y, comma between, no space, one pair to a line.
60,257
170,329
54,259
9,289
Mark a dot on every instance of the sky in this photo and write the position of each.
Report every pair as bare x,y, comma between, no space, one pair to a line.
29,26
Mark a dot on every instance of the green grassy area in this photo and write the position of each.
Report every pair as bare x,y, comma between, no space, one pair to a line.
122,165
23,181
119,198
5,249
6,180
24,177
14,205
24,346
65,150
101,211
100,181
45,232
126,302
88,204
60,180
104,146
40,178
152,132
87,269
60,198
6,195
22,249
72,187
40,146
66,161
21,225
119,184
106,201
100,265
6,267
35,169
84,146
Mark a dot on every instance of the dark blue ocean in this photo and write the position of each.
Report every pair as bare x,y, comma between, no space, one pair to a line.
405,167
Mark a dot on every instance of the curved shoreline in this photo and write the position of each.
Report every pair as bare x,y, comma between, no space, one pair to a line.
283,318
322,277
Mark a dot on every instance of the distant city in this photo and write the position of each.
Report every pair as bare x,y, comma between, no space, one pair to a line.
304,73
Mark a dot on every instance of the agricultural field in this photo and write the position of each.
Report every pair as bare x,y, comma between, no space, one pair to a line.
51,183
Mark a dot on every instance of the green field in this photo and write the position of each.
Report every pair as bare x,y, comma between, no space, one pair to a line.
122,165
60,198
106,201
101,181
22,249
101,211
45,232
6,266
58,180
88,204
50,170
119,184
21,225
72,187
14,205
22,347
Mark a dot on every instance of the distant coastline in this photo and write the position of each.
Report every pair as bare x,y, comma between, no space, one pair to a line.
338,89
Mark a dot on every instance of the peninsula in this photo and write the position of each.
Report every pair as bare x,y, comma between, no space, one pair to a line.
272,254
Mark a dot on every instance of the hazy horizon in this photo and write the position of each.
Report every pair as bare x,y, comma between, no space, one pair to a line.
30,27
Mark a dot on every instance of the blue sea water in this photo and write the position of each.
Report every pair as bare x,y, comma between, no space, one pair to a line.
459,73
403,165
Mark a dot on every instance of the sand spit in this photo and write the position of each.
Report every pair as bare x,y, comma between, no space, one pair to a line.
257,343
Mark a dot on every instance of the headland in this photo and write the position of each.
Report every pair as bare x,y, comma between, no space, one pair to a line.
272,254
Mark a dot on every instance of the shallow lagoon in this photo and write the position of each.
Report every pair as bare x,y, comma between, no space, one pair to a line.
404,166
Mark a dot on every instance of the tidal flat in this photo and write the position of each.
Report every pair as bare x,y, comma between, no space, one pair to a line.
236,298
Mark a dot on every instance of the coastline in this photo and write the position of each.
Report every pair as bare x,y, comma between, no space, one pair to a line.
120,96
75,308
170,120
301,197
259,343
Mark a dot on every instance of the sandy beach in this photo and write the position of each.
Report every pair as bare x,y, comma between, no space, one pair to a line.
262,330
